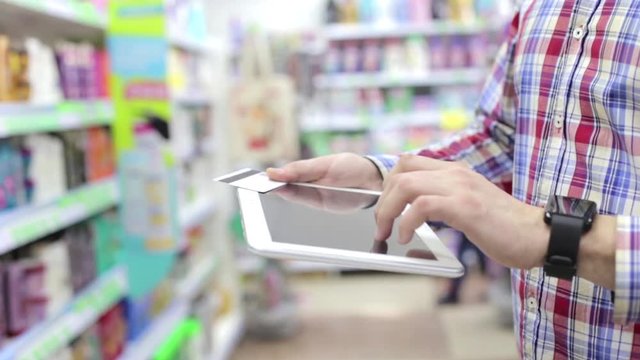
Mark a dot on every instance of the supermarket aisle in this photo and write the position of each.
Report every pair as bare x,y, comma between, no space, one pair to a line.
386,317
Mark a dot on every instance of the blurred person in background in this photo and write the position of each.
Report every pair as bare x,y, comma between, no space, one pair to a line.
558,124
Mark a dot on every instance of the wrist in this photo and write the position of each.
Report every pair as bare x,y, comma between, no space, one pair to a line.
537,234
597,252
375,177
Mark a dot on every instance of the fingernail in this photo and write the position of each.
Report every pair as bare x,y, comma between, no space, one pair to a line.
275,171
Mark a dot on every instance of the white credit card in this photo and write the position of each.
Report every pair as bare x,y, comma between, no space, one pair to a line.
251,180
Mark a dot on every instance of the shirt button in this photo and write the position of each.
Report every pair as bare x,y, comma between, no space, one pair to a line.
557,121
531,303
578,33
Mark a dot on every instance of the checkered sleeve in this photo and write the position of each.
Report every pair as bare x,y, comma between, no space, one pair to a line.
627,289
487,146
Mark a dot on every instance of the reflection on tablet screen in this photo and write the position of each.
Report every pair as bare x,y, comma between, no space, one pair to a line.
331,219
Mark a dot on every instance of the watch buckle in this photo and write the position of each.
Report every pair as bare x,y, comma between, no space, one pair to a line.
560,266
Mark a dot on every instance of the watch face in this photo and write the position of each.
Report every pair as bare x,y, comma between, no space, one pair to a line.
579,208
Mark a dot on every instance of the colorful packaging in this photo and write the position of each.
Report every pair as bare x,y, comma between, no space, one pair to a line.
26,305
5,73
57,276
99,155
112,330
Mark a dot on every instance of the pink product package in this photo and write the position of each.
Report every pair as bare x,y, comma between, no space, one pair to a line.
87,72
477,51
372,56
101,69
458,52
25,304
68,62
438,52
421,11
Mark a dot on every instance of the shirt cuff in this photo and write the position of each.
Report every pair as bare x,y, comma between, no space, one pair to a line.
384,163
627,291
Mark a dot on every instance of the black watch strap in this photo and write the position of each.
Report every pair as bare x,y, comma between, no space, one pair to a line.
562,255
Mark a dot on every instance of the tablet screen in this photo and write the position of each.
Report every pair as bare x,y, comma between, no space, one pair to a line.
332,219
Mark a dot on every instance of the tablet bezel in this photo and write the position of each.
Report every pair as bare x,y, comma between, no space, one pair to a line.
260,242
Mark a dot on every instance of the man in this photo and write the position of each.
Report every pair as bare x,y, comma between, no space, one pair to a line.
559,115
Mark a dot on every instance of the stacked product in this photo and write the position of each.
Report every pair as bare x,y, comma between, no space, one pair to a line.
400,71
35,72
398,12
105,340
40,168
39,281
372,104
414,54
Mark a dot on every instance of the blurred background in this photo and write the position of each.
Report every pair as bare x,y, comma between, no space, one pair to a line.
115,115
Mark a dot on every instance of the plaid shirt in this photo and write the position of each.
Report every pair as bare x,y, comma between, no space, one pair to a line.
560,114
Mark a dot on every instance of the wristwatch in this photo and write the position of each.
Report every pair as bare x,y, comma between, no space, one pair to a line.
569,219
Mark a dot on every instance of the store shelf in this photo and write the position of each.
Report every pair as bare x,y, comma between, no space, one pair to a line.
469,76
193,284
353,123
334,122
194,214
21,226
161,328
78,12
192,99
191,45
433,28
20,119
44,340
227,335
157,333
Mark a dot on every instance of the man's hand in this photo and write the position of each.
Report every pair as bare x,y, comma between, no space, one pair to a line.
340,170
506,229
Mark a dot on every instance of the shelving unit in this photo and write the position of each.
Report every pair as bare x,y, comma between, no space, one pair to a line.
434,28
44,340
347,123
22,119
191,45
195,213
23,225
50,22
191,100
469,76
227,335
162,327
79,13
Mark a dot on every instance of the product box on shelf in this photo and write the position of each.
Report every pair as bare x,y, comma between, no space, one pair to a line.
32,71
25,302
112,330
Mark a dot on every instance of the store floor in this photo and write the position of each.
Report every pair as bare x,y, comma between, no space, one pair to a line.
387,317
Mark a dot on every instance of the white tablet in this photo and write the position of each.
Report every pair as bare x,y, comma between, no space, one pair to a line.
336,226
